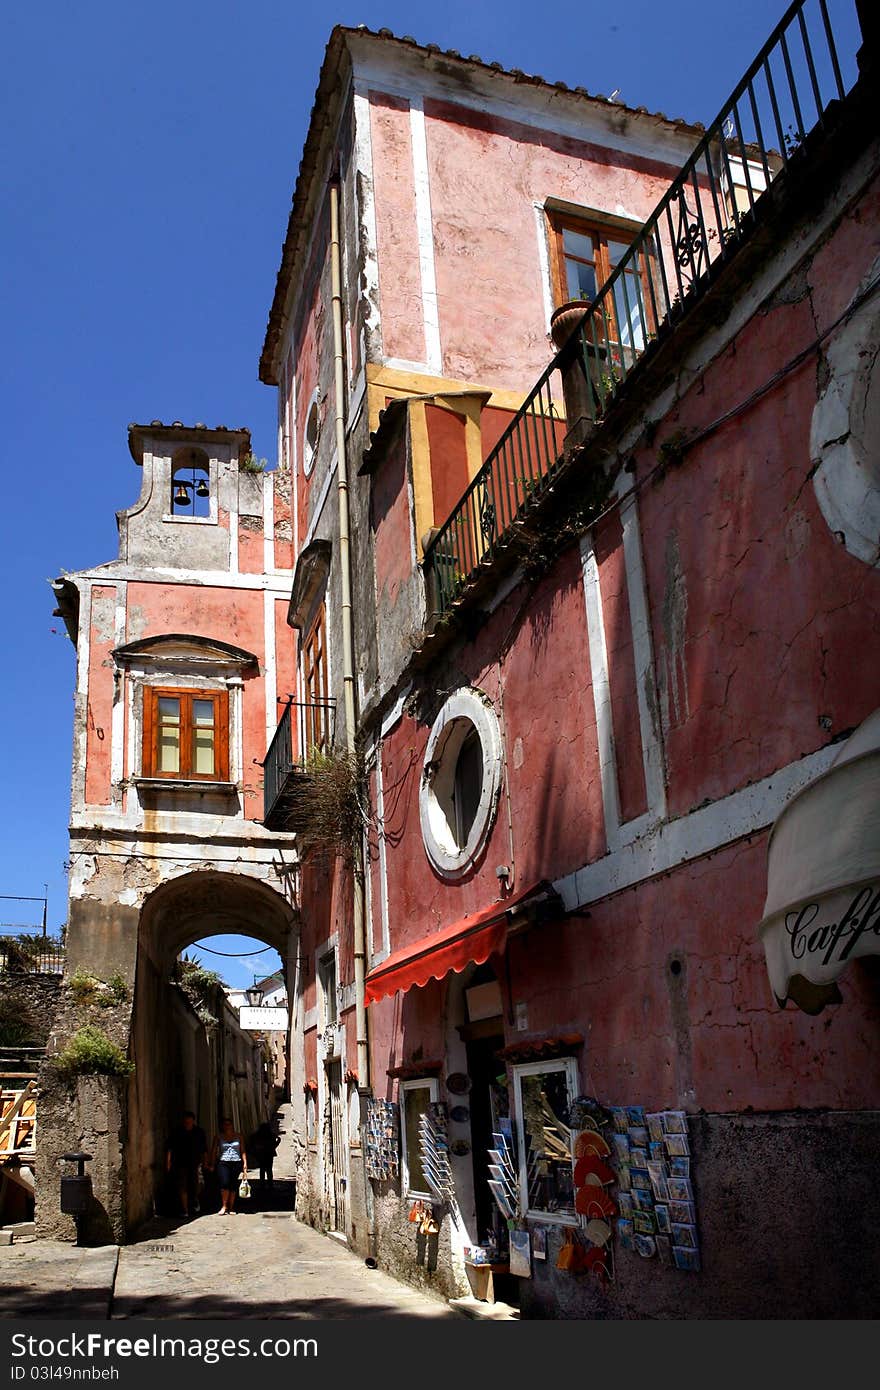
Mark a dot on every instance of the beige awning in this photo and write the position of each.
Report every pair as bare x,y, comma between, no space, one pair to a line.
823,876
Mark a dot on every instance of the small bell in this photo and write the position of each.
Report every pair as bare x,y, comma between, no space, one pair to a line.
202,489
181,496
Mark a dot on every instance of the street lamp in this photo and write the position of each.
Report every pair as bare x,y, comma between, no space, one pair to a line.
254,994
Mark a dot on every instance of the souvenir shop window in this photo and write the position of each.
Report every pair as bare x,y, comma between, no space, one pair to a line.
415,1097
543,1094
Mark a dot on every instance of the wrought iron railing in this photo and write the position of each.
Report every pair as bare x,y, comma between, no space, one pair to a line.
28,958
708,209
305,731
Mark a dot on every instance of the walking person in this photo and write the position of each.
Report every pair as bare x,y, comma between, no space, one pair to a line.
185,1152
229,1157
262,1144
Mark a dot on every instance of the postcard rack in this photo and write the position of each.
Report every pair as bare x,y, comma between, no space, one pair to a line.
434,1150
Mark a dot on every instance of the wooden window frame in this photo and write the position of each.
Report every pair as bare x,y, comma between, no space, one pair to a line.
601,233
314,658
150,760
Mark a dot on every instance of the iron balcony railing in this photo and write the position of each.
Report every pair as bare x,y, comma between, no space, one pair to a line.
305,730
706,212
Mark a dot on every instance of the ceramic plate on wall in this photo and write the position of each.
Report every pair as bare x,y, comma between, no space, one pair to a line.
460,1114
458,1083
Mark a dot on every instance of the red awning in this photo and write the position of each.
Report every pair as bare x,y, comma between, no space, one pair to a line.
471,940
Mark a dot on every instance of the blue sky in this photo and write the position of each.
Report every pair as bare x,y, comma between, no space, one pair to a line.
149,158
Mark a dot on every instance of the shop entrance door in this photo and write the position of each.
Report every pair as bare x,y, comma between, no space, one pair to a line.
488,1104
338,1146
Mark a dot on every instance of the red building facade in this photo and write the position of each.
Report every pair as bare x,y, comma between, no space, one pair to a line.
595,659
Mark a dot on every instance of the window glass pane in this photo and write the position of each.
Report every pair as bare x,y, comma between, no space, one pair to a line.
203,737
581,280
327,972
577,244
616,250
415,1103
468,786
169,734
627,307
545,1102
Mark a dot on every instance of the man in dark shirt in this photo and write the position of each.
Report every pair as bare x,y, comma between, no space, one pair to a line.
187,1150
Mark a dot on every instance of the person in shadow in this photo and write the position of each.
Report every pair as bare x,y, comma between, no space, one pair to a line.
185,1152
262,1146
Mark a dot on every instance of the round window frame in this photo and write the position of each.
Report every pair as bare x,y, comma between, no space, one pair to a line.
467,709
310,451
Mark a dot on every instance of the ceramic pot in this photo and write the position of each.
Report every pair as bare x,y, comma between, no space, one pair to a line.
565,319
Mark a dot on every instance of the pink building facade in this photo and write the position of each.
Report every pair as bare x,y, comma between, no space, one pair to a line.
577,741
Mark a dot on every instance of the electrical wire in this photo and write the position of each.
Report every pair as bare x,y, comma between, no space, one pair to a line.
232,955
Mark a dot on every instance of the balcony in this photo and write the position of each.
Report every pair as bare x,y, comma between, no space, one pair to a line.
762,136
304,735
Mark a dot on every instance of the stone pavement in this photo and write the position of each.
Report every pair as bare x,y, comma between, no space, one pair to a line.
51,1279
243,1266
254,1266
259,1263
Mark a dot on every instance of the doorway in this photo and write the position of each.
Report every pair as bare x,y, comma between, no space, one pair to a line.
337,1148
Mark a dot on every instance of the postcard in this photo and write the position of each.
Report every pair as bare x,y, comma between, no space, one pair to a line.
645,1246
501,1197
638,1158
684,1236
674,1122
655,1126
643,1222
635,1115
684,1212
621,1147
618,1115
677,1146
642,1201
641,1179
625,1203
539,1242
624,1180
664,1249
685,1259
657,1151
680,1167
638,1135
625,1232
680,1190
519,1254
660,1190
658,1171
663,1222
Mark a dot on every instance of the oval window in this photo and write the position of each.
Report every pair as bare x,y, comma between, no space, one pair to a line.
461,781
312,434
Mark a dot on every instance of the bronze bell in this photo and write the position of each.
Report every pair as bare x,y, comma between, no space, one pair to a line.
202,489
181,496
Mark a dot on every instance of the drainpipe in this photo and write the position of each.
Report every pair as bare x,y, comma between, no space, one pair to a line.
347,634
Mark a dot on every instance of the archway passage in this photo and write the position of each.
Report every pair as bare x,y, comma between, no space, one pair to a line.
191,1054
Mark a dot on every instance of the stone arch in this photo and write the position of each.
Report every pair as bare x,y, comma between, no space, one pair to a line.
177,1065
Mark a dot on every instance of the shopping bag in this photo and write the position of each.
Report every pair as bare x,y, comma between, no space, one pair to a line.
244,1188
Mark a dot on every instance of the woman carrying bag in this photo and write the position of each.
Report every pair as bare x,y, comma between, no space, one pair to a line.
230,1159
